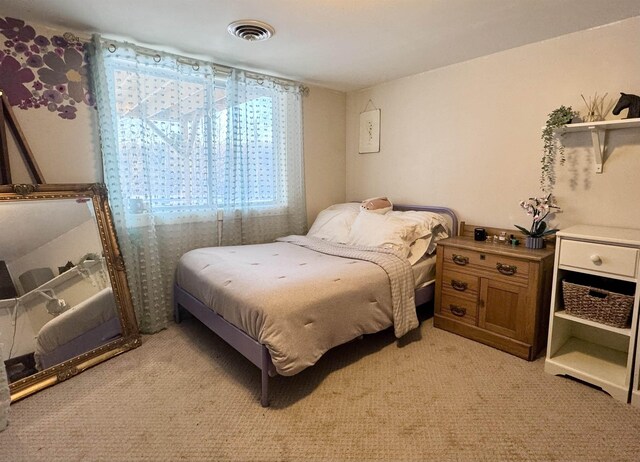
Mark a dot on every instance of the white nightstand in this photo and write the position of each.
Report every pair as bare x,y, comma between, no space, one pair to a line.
587,350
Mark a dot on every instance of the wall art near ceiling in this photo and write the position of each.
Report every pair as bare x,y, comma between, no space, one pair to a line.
369,131
43,70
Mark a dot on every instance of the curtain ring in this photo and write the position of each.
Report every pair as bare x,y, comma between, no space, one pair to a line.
196,66
260,81
157,58
112,48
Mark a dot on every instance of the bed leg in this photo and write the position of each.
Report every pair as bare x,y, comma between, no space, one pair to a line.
176,312
266,359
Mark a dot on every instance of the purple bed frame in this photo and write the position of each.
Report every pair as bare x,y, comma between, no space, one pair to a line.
249,347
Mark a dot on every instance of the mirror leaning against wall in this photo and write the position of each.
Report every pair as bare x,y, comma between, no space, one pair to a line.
64,300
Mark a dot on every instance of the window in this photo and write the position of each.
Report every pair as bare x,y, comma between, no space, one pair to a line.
187,141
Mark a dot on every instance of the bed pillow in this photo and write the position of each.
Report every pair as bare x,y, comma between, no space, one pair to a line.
439,232
417,250
374,230
334,223
430,226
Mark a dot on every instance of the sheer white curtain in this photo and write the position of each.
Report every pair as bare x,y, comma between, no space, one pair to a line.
192,157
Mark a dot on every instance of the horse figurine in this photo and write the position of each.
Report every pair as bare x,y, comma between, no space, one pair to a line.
628,101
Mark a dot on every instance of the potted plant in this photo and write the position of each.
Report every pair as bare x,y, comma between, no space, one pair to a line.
538,208
553,148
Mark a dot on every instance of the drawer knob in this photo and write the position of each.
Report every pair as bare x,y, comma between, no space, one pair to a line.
457,310
595,258
508,270
460,260
459,285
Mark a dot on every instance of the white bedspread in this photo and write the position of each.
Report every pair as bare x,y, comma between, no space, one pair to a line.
424,270
299,302
398,269
77,320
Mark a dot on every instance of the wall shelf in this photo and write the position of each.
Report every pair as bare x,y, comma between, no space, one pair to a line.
598,130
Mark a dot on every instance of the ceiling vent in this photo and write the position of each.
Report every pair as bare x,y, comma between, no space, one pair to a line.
251,30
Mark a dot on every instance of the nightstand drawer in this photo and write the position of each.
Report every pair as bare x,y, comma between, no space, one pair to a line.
460,309
496,264
598,257
461,284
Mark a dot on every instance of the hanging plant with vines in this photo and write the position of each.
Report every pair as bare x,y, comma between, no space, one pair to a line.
553,148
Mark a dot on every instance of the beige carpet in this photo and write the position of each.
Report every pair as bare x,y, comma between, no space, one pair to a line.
185,395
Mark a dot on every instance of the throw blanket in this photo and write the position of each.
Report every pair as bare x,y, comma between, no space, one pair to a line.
398,270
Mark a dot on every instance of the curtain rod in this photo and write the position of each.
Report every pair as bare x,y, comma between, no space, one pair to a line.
196,62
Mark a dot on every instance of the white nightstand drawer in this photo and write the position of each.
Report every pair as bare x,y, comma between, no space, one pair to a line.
598,257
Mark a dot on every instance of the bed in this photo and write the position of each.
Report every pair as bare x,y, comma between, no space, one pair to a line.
282,305
81,328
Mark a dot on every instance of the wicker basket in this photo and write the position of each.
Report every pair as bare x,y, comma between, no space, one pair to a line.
597,305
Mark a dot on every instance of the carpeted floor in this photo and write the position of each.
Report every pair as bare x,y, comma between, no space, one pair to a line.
185,395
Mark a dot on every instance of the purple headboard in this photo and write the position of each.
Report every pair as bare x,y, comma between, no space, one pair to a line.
449,214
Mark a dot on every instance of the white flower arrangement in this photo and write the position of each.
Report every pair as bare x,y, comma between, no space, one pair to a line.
538,208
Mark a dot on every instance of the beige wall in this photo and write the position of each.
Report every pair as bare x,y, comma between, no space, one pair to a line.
68,151
324,149
468,136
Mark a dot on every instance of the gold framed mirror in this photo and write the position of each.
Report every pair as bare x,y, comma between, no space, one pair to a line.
65,303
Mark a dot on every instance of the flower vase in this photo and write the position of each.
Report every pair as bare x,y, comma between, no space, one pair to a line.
534,242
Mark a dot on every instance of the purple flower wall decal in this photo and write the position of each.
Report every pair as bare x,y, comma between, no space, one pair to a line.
59,42
35,61
67,112
52,96
12,79
16,29
21,47
61,80
41,41
69,70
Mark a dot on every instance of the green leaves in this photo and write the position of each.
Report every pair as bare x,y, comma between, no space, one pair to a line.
540,227
537,231
553,148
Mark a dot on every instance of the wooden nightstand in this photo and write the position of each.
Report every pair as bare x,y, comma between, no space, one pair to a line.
497,294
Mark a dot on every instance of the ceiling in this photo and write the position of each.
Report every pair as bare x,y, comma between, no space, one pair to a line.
341,44
27,225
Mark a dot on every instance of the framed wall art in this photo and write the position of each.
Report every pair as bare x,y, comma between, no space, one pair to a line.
369,131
